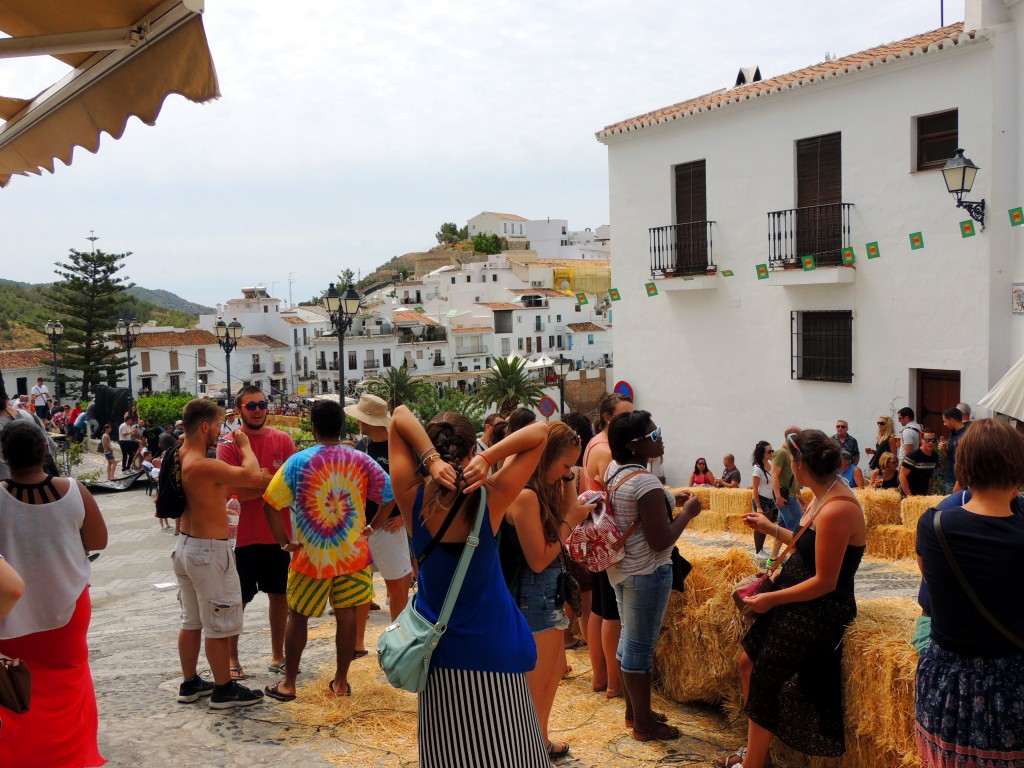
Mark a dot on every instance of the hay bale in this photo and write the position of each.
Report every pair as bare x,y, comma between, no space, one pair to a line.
735,524
806,494
881,507
707,521
892,542
730,501
914,506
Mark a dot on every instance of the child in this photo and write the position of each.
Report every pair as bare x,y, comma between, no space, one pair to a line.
108,450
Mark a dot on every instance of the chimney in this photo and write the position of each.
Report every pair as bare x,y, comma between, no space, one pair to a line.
750,74
979,14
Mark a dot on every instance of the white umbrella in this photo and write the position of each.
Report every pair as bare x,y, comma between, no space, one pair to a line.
1007,396
541,362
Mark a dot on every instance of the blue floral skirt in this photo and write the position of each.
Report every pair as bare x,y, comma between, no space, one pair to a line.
970,710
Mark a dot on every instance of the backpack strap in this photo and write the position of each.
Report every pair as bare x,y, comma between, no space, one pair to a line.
631,528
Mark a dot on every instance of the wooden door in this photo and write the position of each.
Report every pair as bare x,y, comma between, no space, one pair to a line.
936,391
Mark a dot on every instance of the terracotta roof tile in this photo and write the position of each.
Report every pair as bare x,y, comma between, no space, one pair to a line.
261,340
291,320
539,292
408,316
11,359
473,329
509,216
943,38
587,327
501,305
193,338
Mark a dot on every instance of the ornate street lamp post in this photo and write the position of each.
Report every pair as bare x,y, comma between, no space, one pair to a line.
228,335
342,309
959,175
561,366
54,331
127,333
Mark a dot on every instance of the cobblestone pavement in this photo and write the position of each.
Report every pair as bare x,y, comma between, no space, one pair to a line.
132,643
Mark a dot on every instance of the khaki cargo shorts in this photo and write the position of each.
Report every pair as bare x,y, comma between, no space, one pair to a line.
208,588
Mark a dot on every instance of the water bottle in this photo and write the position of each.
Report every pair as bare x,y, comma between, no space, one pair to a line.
234,509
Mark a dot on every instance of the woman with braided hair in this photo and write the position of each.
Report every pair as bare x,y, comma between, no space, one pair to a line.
476,708
542,516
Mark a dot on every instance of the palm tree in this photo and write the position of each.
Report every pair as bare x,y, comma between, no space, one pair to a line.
396,386
509,386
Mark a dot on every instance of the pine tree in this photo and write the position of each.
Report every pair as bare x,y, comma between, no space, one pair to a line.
87,297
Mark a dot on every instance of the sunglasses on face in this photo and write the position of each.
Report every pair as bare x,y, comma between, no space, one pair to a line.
260,406
652,436
769,452
840,426
881,423
930,440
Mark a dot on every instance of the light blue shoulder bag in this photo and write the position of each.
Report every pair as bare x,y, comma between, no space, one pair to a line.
406,645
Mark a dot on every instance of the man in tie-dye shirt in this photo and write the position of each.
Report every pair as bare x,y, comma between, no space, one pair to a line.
326,487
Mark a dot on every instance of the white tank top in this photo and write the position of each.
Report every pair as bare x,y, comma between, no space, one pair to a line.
43,543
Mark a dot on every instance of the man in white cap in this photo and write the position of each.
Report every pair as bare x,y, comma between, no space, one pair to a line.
389,543
231,422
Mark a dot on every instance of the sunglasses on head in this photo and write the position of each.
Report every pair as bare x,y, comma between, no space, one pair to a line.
260,406
793,447
652,436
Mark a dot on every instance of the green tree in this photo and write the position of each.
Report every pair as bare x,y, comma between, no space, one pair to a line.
451,233
509,387
346,278
88,296
429,404
396,386
162,408
489,244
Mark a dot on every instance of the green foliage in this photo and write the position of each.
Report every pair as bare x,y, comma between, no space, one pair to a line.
162,408
75,451
395,386
429,404
451,233
489,244
509,387
88,296
346,278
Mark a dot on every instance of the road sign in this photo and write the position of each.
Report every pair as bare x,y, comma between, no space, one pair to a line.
301,389
623,388
547,407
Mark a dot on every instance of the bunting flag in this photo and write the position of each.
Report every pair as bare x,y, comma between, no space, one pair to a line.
872,249
652,289
916,241
581,298
419,310
849,257
762,271
967,228
809,263
1016,216
727,273
686,279
613,294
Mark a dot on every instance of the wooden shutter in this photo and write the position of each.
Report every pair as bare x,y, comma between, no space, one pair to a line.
691,192
174,361
819,170
145,361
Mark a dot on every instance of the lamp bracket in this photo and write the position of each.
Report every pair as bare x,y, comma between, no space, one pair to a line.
975,209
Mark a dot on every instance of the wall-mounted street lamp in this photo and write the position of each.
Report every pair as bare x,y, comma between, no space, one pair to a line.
959,175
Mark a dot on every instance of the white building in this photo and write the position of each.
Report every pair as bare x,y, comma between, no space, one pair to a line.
21,368
552,239
845,153
507,225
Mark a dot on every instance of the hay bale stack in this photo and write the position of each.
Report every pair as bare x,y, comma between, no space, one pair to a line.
891,542
914,506
881,507
706,521
730,501
735,524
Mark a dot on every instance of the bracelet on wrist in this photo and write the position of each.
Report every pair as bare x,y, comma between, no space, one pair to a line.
430,459
483,456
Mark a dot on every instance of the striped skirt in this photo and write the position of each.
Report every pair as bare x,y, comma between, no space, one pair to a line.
471,719
970,710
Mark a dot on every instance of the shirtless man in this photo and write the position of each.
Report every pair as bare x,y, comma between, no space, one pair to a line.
209,589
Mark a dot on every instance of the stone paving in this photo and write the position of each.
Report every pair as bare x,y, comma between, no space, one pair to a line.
132,643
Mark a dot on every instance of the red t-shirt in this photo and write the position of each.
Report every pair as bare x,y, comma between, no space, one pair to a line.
272,448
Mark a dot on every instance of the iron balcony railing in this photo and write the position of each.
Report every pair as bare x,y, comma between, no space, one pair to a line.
370,364
472,351
257,368
821,231
682,249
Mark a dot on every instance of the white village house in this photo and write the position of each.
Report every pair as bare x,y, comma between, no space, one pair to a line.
844,153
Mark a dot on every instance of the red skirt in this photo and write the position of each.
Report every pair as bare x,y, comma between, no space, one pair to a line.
59,730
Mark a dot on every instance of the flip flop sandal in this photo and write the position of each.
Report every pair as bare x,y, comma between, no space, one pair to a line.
557,749
237,673
657,732
577,643
332,692
658,717
278,669
276,695
731,759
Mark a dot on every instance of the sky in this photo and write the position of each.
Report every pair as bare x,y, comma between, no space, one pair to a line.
347,132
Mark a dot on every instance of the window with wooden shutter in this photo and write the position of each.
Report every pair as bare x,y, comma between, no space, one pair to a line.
691,192
819,193
145,361
937,138
174,361
201,358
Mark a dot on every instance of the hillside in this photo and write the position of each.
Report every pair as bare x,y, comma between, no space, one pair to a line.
167,300
426,260
27,309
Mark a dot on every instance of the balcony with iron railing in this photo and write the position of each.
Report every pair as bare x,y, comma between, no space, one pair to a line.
821,231
257,368
323,365
431,334
279,368
439,362
476,351
682,250
369,365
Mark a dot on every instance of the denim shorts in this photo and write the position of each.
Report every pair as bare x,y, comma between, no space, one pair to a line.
790,514
539,599
642,602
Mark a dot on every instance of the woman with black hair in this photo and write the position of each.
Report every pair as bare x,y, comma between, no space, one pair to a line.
642,580
762,498
519,418
476,708
790,668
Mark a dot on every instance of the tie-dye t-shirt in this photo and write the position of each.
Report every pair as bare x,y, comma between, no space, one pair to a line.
327,487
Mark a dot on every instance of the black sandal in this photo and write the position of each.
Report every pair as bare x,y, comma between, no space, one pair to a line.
658,717
657,732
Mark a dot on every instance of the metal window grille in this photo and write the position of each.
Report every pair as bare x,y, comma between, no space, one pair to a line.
821,345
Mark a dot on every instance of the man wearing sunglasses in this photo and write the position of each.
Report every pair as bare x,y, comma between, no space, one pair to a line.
262,564
917,469
846,441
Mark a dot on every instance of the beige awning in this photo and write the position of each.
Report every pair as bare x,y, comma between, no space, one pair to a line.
126,58
1007,396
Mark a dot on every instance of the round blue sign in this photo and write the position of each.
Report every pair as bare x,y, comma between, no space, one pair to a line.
547,407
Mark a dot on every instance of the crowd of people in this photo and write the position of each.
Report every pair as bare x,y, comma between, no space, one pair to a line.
404,499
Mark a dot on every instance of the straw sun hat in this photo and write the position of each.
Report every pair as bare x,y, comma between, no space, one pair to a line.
370,410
